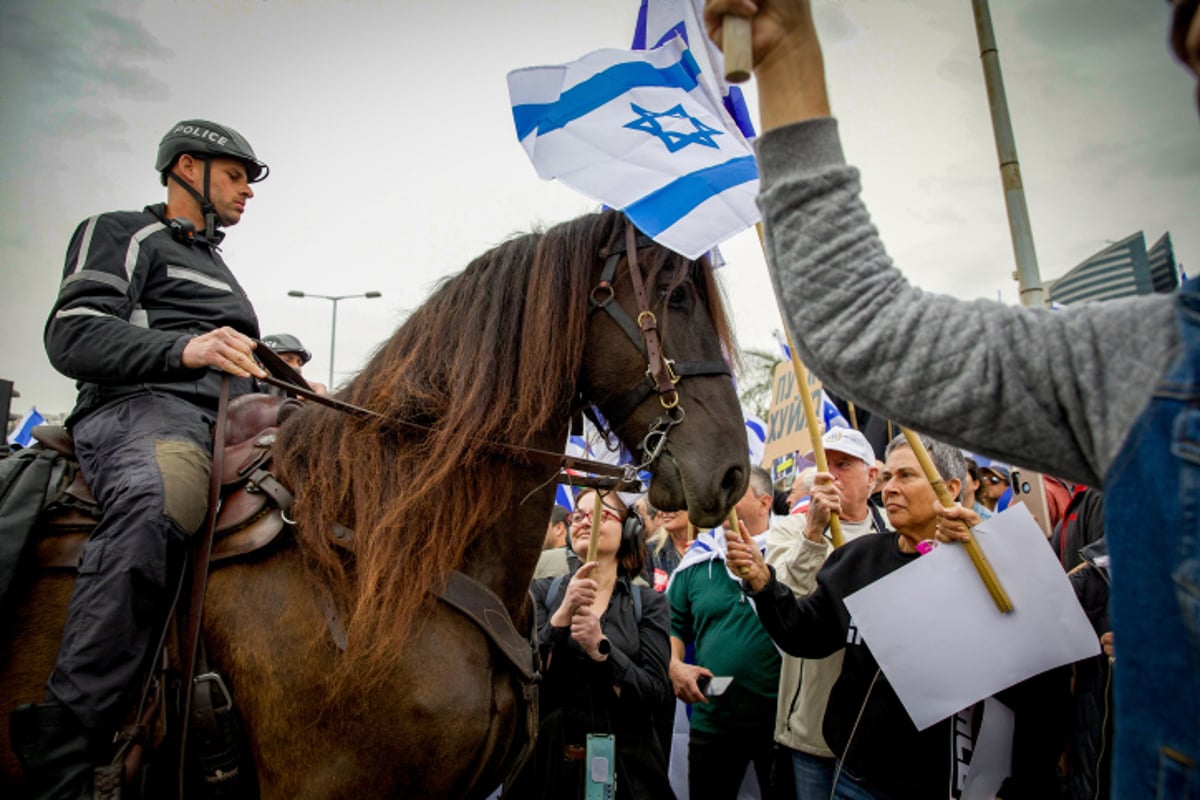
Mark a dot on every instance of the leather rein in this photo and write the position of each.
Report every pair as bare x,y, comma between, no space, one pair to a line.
662,375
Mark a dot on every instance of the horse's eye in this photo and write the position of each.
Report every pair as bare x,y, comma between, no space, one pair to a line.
678,298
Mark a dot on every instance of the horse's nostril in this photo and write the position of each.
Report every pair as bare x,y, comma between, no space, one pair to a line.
734,482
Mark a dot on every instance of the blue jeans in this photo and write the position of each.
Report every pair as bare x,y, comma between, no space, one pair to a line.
814,775
814,780
847,788
1152,526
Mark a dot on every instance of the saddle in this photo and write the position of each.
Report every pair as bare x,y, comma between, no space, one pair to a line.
254,503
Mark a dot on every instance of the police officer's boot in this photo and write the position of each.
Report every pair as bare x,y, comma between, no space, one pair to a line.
55,751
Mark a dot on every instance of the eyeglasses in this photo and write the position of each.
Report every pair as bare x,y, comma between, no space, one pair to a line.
586,517
994,479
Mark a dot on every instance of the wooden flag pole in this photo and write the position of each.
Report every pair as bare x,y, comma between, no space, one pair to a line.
999,596
814,432
735,39
597,518
810,411
733,527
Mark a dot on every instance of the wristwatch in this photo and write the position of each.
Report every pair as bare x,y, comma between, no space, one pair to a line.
604,647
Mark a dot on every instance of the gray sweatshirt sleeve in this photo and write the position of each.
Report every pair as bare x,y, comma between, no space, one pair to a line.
1055,391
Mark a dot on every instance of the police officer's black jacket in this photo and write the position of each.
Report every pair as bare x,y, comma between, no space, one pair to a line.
133,293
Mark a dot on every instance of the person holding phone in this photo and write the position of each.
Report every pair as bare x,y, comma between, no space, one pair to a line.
734,681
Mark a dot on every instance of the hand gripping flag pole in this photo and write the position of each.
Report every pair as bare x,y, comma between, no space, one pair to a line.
999,596
814,431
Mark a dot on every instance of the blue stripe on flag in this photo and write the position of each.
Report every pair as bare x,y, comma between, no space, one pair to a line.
639,28
564,498
639,31
735,104
23,433
603,87
665,206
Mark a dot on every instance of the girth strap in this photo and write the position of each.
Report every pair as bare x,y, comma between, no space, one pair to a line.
480,605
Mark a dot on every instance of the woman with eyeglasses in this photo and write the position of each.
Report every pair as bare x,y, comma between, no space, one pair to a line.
605,649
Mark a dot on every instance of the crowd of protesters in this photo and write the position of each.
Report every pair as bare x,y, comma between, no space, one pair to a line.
750,633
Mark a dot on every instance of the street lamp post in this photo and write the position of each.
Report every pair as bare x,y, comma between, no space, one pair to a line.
333,325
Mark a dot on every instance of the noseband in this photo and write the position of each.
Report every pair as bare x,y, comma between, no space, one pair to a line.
662,373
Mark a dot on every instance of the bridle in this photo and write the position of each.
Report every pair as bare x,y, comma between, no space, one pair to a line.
662,374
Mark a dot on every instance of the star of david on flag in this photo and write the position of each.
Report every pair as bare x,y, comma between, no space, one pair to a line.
641,131
652,123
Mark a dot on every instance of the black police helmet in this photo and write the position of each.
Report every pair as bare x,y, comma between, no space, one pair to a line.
286,343
210,140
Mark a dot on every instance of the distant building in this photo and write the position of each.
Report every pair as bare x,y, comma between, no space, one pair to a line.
1163,270
1122,269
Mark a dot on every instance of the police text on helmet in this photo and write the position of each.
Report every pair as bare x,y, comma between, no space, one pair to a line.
201,133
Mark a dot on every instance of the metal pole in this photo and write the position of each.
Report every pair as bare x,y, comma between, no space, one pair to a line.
332,340
1027,276
371,295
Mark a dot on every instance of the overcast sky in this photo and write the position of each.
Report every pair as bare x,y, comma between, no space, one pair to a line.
394,160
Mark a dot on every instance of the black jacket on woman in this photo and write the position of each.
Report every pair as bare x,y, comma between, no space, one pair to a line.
865,722
578,696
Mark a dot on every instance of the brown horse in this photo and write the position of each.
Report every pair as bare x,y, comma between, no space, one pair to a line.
419,705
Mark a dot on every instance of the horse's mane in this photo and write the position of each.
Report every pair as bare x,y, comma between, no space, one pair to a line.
492,356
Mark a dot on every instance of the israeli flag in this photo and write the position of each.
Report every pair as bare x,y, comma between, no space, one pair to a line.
641,131
756,438
660,20
830,414
564,497
782,341
23,434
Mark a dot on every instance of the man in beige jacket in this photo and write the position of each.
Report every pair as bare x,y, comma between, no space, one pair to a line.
797,547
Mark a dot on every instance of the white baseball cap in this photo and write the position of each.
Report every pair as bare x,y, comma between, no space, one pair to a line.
848,441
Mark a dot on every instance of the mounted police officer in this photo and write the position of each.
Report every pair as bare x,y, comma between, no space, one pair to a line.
295,355
289,348
148,315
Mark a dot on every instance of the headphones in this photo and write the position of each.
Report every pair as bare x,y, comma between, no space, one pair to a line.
633,532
